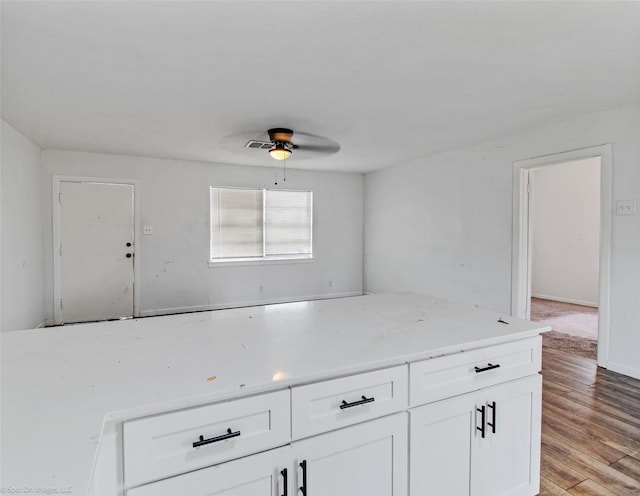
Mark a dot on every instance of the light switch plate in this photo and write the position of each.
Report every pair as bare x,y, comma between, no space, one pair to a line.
626,207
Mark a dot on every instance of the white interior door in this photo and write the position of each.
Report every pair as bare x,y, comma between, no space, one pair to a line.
96,251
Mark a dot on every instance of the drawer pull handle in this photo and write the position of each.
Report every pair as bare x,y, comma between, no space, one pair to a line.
285,484
481,428
204,441
492,424
303,487
356,403
489,366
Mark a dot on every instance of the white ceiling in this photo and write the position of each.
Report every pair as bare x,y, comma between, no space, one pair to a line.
389,81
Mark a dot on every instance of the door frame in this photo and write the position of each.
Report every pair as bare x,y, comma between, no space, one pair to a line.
521,243
57,290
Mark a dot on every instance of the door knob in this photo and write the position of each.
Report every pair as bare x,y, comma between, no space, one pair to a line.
129,255
128,244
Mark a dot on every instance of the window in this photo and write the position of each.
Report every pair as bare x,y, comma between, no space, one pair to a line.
260,224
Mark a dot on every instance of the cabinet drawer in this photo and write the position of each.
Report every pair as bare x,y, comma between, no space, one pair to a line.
443,377
329,405
163,445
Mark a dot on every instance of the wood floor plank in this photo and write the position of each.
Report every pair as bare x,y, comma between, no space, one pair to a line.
603,434
559,473
589,412
593,402
565,380
626,401
629,465
560,363
591,488
581,440
548,488
601,473
554,354
554,387
588,373
552,357
618,381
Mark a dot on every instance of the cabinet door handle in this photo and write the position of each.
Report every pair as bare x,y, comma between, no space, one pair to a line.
356,403
492,424
285,484
482,411
222,437
489,366
303,487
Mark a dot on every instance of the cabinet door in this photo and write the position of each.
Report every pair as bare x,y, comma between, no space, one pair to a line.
441,447
449,454
365,459
256,475
508,458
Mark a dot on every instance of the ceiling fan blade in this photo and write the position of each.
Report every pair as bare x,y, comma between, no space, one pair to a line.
321,148
311,145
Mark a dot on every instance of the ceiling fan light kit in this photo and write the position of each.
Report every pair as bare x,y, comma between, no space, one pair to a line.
280,151
281,139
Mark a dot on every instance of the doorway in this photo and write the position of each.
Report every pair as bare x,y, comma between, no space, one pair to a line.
523,277
94,250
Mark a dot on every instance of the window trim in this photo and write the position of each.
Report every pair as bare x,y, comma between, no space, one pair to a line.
221,263
264,260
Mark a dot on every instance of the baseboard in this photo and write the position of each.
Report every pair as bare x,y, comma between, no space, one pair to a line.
624,369
253,303
566,300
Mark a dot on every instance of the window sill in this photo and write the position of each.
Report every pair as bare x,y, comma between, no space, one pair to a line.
247,263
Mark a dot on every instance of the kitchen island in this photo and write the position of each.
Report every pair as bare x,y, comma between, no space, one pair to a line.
259,400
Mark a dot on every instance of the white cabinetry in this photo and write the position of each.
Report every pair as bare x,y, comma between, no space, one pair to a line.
473,428
509,454
177,442
369,458
485,442
347,439
256,475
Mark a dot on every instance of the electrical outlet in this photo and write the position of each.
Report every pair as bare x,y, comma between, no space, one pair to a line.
147,230
626,207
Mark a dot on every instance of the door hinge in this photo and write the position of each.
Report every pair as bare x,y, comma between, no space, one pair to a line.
60,197
61,305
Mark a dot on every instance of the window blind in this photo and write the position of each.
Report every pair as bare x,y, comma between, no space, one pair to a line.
287,225
255,224
236,223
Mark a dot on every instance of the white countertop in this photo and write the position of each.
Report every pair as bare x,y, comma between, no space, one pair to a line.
62,386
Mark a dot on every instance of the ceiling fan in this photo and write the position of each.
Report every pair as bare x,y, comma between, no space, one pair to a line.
282,144
279,144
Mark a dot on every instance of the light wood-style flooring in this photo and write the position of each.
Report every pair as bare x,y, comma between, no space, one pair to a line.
590,428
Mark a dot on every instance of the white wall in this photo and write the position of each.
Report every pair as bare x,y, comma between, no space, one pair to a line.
565,226
22,300
442,224
174,200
